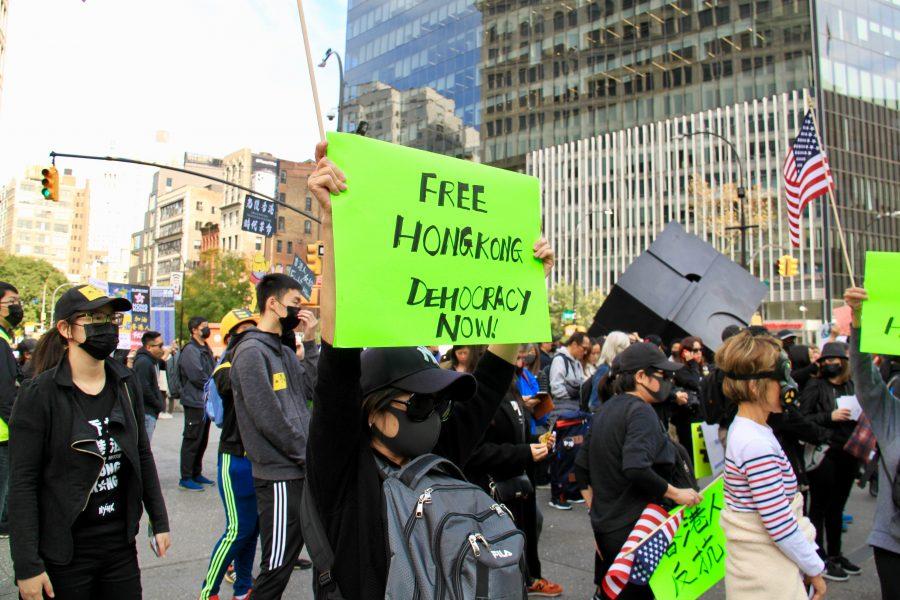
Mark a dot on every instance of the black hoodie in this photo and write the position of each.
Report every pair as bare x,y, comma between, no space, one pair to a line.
146,368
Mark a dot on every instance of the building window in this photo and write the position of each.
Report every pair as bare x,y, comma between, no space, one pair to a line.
283,177
307,226
280,223
258,244
281,196
198,225
199,206
168,182
290,247
308,203
278,242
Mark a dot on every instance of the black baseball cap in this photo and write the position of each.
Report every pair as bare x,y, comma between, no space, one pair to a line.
86,298
786,334
412,370
642,356
834,350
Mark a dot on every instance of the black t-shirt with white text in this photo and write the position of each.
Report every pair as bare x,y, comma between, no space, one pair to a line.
105,510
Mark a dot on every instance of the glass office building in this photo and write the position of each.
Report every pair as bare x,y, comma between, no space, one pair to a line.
416,44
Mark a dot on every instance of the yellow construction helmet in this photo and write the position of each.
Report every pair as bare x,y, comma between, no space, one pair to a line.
235,317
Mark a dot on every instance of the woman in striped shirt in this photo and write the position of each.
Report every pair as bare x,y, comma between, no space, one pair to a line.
770,548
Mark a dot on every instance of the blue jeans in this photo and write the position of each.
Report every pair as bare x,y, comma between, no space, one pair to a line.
149,425
238,543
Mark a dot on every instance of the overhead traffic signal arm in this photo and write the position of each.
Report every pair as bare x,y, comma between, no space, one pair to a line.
50,184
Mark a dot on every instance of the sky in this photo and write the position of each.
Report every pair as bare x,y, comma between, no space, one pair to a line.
103,76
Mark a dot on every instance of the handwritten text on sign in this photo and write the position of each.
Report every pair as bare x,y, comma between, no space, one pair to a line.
695,560
881,312
259,216
440,248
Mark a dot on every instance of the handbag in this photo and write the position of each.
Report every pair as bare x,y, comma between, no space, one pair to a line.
514,488
813,456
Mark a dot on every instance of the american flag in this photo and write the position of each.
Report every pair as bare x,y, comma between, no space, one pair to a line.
806,175
637,566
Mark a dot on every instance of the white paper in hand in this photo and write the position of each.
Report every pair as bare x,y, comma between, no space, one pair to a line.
850,402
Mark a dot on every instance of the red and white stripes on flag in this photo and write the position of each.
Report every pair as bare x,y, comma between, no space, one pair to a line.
806,175
619,574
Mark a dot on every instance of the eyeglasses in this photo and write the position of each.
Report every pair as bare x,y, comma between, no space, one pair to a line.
697,351
11,303
101,319
159,345
420,406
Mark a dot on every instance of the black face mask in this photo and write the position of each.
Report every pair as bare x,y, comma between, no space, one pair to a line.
290,321
100,340
204,333
16,314
529,359
413,439
664,391
829,371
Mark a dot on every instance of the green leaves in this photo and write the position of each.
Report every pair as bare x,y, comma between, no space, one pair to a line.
219,284
561,299
29,275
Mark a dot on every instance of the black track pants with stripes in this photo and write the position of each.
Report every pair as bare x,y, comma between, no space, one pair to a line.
278,504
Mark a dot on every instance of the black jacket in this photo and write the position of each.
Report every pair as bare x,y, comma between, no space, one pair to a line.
341,469
818,400
145,367
54,463
505,450
195,366
9,378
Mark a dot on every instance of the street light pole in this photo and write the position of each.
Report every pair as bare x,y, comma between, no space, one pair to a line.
741,191
53,296
860,250
328,54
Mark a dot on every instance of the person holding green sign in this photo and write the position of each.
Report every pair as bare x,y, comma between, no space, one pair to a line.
883,410
376,410
769,543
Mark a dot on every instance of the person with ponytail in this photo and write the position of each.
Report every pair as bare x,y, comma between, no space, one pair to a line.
81,468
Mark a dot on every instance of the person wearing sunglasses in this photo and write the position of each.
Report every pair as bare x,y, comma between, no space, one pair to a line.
380,408
770,545
81,468
628,460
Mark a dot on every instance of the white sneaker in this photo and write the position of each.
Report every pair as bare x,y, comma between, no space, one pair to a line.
165,415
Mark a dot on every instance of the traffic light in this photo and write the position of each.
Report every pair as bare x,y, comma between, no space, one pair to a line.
50,183
780,267
793,266
314,254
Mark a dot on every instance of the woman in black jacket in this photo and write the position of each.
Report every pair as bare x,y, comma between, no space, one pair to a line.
803,368
81,469
362,421
503,466
830,482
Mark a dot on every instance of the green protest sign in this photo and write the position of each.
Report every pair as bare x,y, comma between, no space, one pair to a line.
434,250
702,467
881,312
695,560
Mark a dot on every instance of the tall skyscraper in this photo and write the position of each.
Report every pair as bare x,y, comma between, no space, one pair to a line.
413,44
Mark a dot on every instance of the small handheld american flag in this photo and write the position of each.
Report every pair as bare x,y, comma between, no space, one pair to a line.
637,566
806,175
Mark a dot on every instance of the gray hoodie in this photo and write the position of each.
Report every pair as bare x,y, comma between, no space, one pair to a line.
883,410
269,384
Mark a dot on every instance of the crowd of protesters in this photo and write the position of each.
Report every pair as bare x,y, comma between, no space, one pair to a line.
603,421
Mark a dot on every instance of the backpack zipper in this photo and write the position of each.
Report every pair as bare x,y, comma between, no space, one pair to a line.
425,498
435,544
457,564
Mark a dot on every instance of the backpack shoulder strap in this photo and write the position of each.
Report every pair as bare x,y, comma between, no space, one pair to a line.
320,550
413,471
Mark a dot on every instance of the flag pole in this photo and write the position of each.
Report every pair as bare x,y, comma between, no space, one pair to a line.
837,218
312,73
673,515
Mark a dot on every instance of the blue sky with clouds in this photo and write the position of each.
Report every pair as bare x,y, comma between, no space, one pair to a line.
102,76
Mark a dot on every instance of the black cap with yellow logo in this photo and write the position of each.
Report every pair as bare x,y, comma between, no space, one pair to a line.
86,298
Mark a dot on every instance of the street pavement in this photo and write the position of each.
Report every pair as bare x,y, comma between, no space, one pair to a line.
566,547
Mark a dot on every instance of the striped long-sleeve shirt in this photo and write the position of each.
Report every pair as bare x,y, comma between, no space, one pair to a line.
759,478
